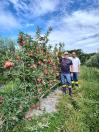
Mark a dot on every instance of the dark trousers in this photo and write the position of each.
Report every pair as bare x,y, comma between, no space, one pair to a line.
74,78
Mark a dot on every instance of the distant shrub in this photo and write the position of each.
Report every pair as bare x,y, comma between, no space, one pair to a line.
93,61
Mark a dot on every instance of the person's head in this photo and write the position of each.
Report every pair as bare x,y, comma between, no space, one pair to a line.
70,55
66,54
74,54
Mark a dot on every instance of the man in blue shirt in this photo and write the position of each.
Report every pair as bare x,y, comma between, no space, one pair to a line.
66,71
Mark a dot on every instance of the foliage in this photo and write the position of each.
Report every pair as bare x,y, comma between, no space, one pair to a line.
31,74
93,61
79,113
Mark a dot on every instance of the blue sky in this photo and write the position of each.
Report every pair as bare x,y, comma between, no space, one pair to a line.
74,22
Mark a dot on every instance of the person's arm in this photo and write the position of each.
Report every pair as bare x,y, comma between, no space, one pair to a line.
71,68
60,59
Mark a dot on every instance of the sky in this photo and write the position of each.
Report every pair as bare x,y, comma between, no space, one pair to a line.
74,22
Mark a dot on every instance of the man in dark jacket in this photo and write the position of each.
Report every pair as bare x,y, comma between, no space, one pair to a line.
66,70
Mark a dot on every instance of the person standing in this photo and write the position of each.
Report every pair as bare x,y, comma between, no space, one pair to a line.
65,67
76,68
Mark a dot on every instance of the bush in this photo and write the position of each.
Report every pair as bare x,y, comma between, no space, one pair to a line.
93,61
31,72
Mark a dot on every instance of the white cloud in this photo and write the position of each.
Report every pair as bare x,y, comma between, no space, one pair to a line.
83,18
42,7
7,19
24,12
78,30
92,44
14,1
34,8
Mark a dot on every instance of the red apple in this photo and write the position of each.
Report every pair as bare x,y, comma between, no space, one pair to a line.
8,64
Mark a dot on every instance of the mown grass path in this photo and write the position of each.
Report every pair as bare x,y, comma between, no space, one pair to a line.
46,105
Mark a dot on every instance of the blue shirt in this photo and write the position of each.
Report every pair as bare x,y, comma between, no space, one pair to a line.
65,64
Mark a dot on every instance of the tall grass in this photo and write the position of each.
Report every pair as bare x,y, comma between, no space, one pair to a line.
93,61
85,117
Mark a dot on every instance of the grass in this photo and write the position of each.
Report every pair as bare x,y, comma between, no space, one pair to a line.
2,79
9,86
77,114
